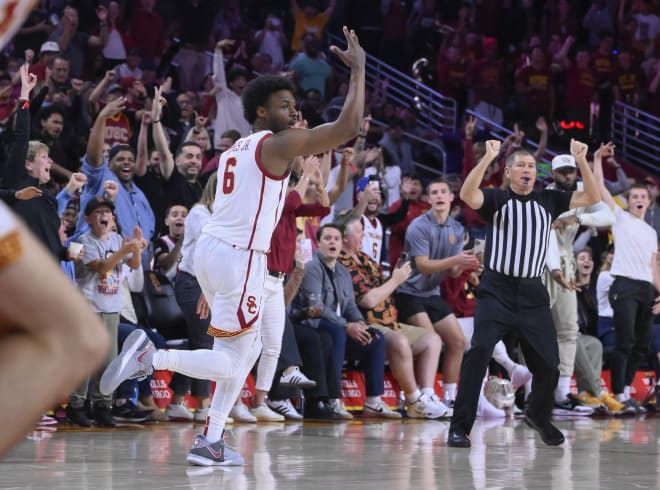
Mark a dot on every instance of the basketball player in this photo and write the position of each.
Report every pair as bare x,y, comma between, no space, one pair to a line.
50,339
230,258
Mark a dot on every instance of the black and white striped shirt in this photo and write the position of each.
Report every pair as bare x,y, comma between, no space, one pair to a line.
518,229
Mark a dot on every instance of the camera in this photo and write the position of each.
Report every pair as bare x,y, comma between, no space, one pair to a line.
404,257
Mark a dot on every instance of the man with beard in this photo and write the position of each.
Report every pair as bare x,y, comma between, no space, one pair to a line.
131,205
561,266
179,173
375,223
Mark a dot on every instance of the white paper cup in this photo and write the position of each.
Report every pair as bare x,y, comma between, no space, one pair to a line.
75,249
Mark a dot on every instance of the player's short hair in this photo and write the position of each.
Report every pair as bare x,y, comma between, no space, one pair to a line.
258,91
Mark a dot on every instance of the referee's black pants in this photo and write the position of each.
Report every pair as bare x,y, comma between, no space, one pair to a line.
507,304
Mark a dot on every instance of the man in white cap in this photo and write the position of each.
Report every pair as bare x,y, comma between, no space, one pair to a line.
560,277
47,54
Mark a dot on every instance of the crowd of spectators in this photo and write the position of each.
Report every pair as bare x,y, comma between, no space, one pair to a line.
134,102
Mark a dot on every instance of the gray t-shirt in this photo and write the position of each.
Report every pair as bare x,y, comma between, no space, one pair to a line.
102,291
425,236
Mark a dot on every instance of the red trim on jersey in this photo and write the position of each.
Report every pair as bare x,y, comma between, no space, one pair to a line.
257,157
256,218
279,201
241,317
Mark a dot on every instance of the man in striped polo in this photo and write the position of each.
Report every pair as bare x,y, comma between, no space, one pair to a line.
511,296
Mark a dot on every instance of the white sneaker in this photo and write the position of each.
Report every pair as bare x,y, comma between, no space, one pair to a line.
380,410
450,408
519,375
265,414
178,411
201,414
284,407
297,379
425,408
338,407
240,413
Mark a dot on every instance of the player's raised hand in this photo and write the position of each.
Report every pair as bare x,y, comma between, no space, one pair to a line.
353,56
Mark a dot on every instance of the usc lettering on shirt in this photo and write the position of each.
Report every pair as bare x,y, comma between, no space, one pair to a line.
248,200
372,241
118,130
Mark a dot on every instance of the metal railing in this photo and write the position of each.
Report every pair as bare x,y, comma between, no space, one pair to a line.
437,112
413,138
637,136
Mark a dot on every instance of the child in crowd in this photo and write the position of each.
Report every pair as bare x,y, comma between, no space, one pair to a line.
99,277
167,249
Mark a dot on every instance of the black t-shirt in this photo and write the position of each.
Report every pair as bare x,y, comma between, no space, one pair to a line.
179,191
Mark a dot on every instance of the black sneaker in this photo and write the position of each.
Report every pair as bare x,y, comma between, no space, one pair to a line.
103,416
78,416
129,413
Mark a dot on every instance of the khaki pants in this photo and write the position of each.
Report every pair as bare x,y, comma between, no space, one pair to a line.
588,364
78,397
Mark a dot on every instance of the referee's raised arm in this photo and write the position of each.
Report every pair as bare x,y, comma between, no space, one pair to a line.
470,192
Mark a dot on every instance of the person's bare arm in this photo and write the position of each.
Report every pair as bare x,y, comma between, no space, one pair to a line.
470,193
605,150
278,151
104,29
101,87
455,264
142,156
166,158
542,126
377,295
62,341
97,133
168,259
590,195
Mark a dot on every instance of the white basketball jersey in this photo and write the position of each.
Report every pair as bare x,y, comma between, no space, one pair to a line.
372,241
248,201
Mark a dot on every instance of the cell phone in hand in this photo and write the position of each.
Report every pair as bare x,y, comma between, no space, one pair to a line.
479,246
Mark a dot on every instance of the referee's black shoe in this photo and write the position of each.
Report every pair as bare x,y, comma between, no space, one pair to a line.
550,434
457,438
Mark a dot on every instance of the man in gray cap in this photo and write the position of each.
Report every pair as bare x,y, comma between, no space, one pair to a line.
560,277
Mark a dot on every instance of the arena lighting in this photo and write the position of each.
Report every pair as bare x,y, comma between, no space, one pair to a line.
564,124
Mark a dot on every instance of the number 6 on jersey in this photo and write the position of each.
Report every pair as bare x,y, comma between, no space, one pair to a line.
228,177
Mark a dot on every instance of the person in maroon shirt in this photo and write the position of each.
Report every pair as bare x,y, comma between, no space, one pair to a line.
451,74
485,79
628,79
147,32
280,261
580,86
534,86
416,207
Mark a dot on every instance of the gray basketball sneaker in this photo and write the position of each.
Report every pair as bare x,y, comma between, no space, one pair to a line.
204,453
134,361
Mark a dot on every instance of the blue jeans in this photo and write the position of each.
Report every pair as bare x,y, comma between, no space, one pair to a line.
371,356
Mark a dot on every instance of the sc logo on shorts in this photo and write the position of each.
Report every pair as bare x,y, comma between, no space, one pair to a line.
252,305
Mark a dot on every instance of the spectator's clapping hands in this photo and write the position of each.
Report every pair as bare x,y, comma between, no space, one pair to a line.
467,261
310,166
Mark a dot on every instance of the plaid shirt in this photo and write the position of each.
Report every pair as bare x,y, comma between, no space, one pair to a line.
366,275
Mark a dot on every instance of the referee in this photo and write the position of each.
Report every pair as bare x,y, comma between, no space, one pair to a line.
511,296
